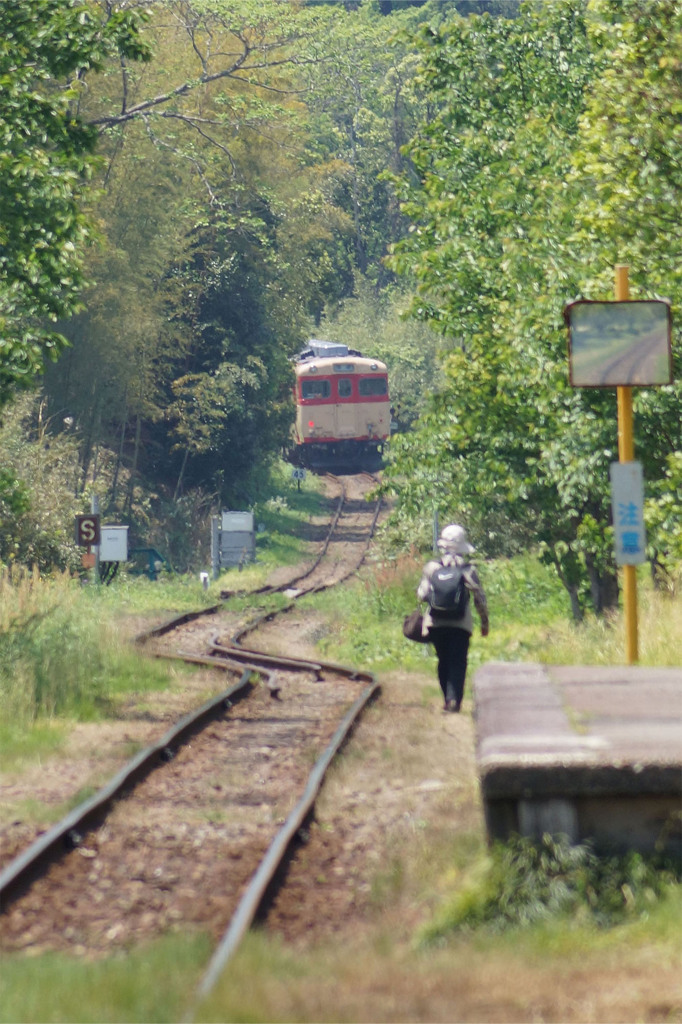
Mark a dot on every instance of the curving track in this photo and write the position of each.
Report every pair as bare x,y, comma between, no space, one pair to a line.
181,837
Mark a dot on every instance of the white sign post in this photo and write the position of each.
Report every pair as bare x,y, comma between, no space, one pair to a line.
627,503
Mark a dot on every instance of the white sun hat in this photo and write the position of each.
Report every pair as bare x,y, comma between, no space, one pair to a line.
454,541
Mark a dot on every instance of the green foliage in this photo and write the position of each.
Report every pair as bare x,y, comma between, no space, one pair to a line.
529,618
37,504
507,225
524,882
662,519
374,324
521,587
46,159
239,194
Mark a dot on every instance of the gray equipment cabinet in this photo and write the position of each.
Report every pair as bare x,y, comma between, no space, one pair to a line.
233,540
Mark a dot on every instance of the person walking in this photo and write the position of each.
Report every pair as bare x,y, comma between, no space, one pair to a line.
450,631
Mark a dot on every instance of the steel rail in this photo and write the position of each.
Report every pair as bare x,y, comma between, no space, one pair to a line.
178,620
242,654
310,666
268,615
66,834
17,876
261,882
267,589
218,661
257,890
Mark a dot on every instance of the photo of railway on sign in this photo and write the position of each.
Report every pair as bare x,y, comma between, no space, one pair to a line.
619,344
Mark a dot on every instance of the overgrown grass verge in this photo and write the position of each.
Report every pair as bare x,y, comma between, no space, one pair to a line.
61,660
284,519
528,619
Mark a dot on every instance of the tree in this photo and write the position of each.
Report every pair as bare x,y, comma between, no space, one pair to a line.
197,250
493,445
46,160
520,208
628,166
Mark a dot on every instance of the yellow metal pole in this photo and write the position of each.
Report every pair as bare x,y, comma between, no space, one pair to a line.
626,453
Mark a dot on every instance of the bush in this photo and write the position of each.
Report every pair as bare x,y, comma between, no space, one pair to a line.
523,882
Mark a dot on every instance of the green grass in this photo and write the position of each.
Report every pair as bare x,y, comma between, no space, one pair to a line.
529,620
62,660
270,982
170,594
18,743
153,985
281,523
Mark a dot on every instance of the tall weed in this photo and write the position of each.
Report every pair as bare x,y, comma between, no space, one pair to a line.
59,655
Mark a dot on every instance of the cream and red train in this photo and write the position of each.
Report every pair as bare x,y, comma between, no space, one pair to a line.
343,414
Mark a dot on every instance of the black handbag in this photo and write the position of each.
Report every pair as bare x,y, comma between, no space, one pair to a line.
412,627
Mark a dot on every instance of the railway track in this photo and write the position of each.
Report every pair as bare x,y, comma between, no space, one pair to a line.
193,832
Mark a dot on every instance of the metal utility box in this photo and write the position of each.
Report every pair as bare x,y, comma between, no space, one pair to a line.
113,545
233,540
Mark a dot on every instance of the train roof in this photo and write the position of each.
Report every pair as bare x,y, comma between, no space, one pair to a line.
318,349
334,365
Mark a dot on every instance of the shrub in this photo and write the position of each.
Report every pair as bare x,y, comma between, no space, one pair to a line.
523,882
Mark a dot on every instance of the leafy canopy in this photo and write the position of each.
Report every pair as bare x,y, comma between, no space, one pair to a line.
46,159
526,198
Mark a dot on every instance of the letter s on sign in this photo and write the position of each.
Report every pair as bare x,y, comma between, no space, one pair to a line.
87,530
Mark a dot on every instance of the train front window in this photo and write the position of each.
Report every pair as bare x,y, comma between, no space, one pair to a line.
373,386
345,387
315,389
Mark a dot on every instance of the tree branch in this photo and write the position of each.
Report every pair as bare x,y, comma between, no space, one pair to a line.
156,141
110,120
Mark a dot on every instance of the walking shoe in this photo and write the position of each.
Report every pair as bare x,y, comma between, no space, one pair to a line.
452,705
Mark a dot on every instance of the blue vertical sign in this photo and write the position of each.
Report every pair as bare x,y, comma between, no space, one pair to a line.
627,504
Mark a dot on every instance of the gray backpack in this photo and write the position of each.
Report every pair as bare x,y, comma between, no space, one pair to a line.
448,592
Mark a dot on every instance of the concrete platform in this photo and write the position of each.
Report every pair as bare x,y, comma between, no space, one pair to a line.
592,752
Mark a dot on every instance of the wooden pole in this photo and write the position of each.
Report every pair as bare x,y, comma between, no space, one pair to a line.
626,453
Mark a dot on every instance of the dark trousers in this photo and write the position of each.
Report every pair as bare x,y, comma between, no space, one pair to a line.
452,649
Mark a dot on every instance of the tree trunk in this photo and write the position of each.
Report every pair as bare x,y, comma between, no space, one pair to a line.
133,469
572,588
603,587
119,457
181,475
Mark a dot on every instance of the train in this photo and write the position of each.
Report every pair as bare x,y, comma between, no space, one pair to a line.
343,413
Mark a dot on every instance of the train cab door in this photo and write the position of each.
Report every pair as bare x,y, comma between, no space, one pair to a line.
345,408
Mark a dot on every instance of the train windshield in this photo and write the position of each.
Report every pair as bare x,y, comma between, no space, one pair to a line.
373,386
345,388
315,389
